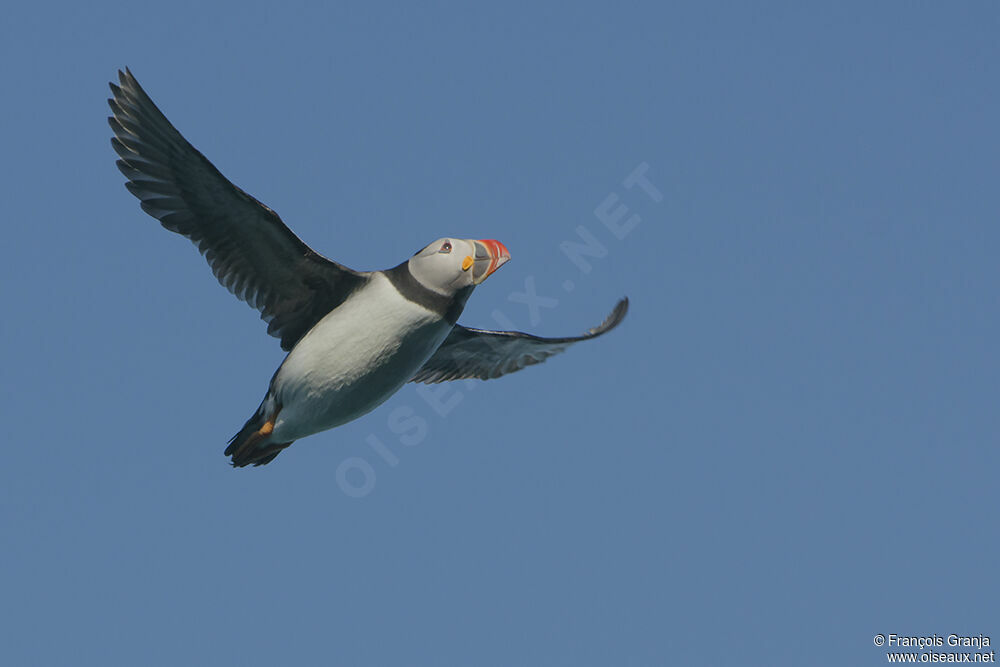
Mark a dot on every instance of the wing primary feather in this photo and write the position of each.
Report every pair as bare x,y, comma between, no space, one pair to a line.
484,354
249,249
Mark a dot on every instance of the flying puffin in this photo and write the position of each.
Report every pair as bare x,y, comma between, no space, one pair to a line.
353,338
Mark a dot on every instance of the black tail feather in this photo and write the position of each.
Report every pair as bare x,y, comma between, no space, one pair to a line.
266,455
252,426
248,447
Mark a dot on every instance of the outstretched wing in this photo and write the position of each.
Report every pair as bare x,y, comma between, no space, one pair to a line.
476,353
252,253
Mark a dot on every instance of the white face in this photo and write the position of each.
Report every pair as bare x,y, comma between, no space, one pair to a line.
446,265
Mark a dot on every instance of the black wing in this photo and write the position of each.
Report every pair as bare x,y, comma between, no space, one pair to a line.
476,353
252,253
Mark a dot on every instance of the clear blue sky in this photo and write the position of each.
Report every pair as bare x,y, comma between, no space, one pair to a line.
789,446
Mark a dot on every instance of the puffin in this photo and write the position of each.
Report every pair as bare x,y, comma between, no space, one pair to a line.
353,338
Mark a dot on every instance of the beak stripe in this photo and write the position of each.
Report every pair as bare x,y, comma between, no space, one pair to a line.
497,254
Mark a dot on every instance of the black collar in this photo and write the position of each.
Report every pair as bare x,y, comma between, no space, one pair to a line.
447,307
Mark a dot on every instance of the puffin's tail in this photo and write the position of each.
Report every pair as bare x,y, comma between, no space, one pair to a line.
253,444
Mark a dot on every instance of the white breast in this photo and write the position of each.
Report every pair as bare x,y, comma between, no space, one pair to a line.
354,359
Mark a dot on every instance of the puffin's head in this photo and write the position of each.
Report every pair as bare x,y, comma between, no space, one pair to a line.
448,265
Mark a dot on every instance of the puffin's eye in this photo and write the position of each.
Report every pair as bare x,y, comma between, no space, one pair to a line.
446,247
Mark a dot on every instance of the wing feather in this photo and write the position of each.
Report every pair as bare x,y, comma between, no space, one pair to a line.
249,249
479,353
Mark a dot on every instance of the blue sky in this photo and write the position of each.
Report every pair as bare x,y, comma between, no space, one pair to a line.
789,446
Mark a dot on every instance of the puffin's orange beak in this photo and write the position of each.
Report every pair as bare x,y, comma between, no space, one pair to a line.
490,256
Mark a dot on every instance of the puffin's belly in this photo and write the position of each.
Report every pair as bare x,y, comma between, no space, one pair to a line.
353,360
